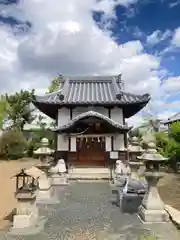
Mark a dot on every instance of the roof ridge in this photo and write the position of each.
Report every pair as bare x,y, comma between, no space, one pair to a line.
174,115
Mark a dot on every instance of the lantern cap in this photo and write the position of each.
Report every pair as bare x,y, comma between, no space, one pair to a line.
22,173
151,154
151,145
34,172
44,151
44,141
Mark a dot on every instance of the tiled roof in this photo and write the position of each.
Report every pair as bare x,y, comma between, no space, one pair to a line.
92,90
175,117
92,114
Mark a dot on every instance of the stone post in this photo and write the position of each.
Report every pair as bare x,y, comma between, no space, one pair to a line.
45,193
152,208
134,151
26,212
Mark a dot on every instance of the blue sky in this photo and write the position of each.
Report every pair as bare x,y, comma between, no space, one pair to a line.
140,38
143,19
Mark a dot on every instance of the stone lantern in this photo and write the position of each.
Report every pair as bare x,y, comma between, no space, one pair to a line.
134,150
45,192
26,217
152,208
44,153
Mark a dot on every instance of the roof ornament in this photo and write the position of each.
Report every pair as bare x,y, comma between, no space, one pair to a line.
119,77
120,81
64,91
118,90
119,95
60,96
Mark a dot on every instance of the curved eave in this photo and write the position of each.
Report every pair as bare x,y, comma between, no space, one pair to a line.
94,114
51,108
133,108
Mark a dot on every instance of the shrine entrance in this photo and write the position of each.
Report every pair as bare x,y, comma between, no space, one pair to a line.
90,151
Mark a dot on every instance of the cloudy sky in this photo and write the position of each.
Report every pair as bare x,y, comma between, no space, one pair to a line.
138,38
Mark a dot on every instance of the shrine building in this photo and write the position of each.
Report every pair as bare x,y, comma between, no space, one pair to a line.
90,115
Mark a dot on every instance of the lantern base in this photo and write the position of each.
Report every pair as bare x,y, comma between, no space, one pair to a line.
25,226
59,180
150,216
45,196
44,193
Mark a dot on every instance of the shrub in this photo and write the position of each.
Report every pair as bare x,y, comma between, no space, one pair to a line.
148,238
35,138
168,147
12,144
175,131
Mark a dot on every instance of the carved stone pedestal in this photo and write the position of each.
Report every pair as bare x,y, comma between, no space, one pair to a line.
59,180
27,212
45,168
152,208
45,192
26,221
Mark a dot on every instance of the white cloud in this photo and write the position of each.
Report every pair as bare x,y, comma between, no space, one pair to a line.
65,39
108,6
174,44
157,36
172,84
176,38
174,4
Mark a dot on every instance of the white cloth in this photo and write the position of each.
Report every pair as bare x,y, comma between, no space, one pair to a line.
60,167
122,169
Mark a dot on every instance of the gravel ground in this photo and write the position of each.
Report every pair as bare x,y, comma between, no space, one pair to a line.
85,212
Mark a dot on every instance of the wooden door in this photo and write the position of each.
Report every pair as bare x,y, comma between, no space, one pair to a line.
91,151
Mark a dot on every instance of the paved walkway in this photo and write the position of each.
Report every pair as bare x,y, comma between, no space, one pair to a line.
85,212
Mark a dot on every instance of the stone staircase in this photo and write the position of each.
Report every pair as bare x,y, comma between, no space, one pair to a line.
82,174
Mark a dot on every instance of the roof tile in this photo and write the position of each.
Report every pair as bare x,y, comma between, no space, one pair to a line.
92,90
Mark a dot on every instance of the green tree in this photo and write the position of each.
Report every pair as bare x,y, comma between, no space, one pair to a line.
161,142
37,134
54,84
169,147
3,109
19,111
151,124
12,144
175,131
135,133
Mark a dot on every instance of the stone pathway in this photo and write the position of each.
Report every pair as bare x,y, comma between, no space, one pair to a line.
85,212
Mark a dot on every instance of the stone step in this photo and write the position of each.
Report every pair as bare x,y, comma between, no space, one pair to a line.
89,176
89,170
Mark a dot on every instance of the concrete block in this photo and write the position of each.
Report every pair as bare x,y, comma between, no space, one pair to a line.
151,216
58,180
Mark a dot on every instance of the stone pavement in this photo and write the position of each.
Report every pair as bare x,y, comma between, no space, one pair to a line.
85,212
